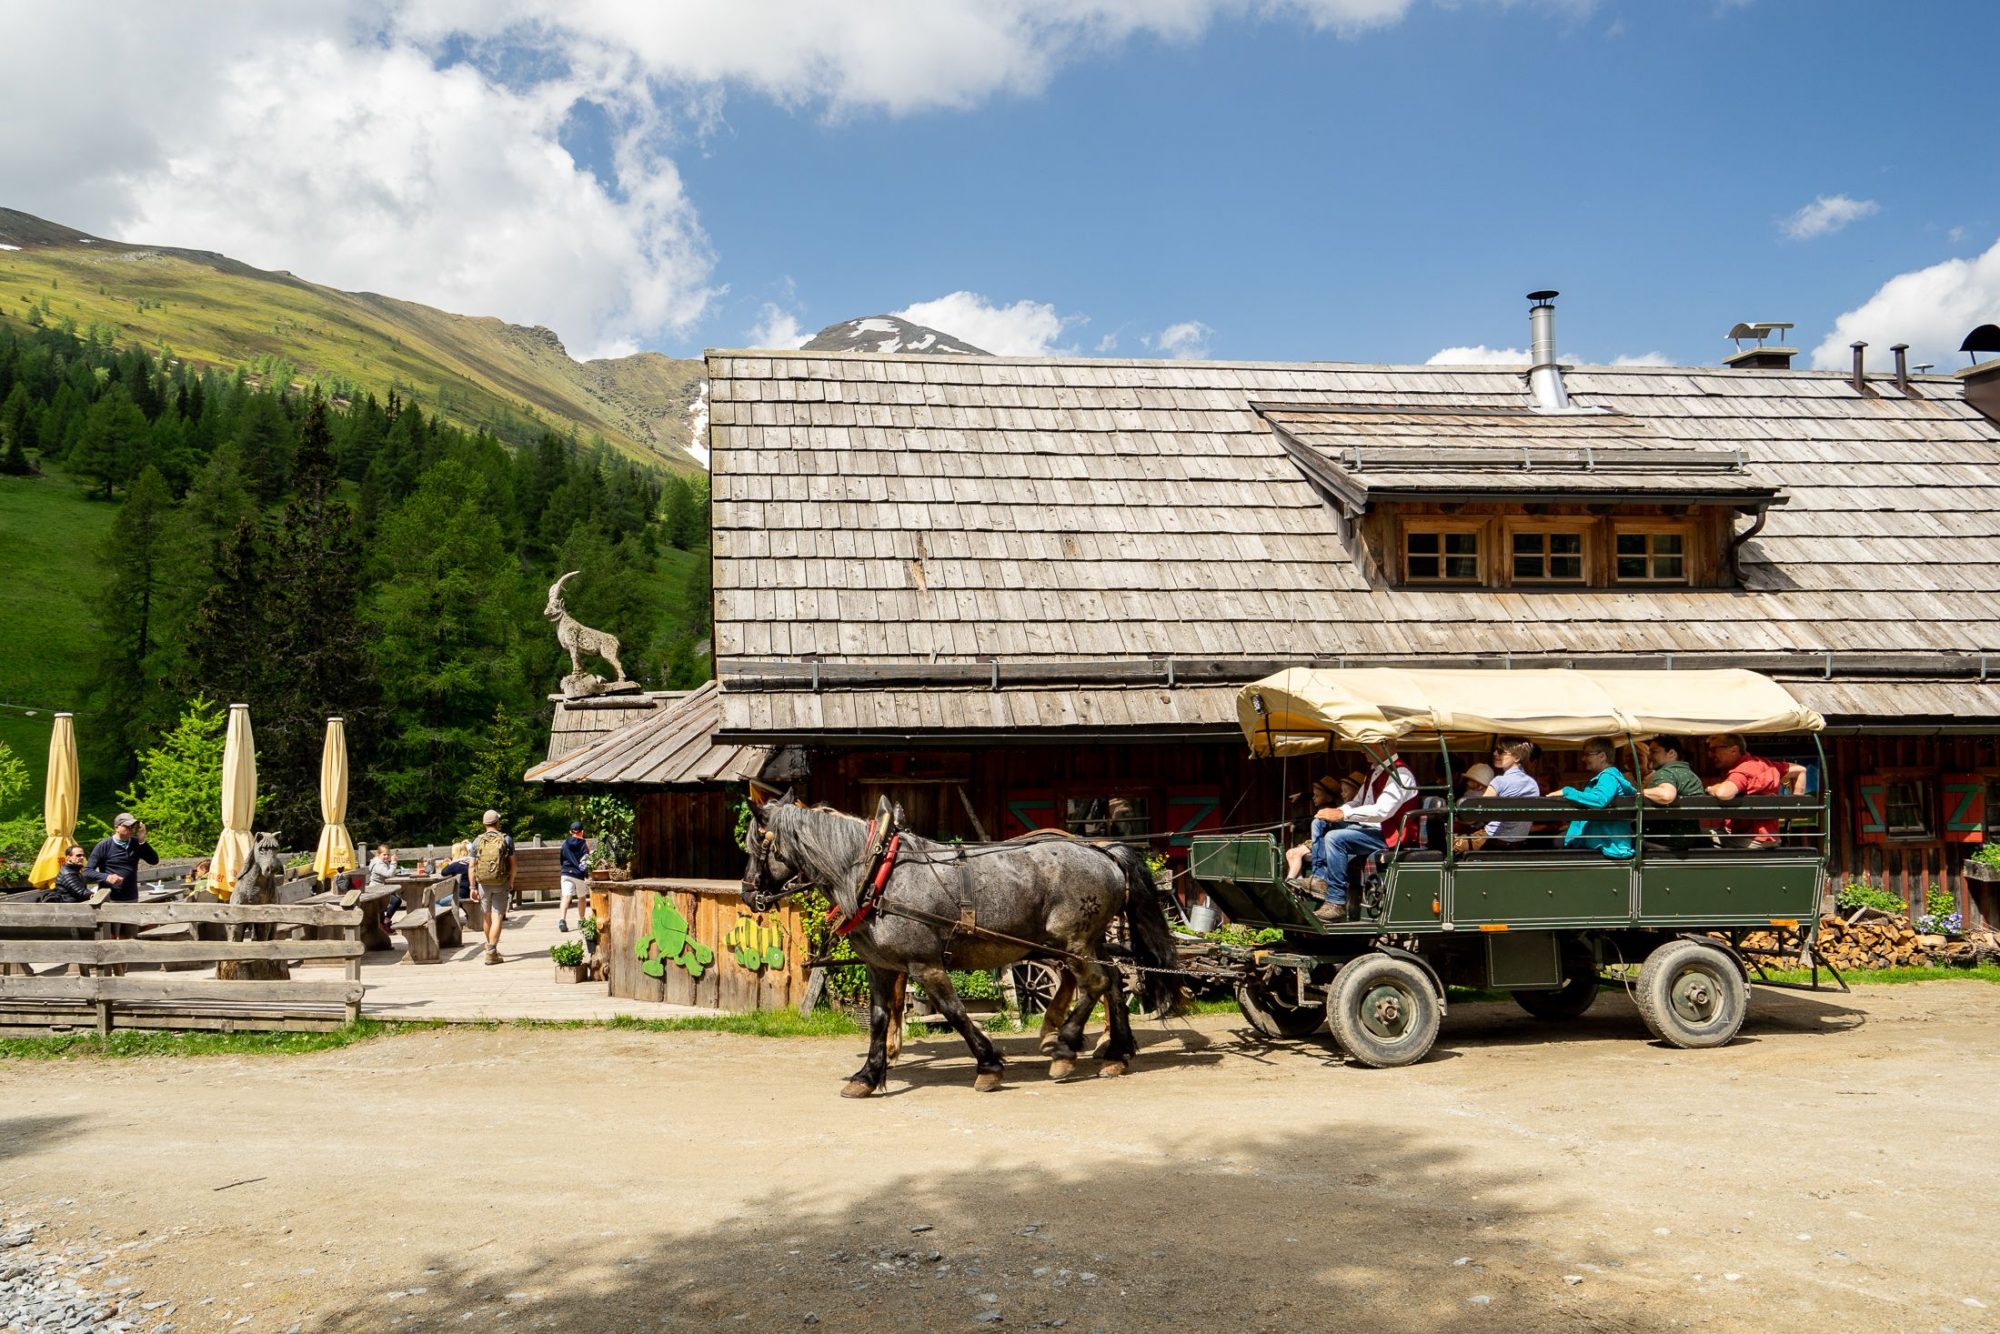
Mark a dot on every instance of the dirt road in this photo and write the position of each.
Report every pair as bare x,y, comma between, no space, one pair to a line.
1833,1167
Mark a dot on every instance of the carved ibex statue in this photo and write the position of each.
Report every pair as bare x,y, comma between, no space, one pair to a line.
577,637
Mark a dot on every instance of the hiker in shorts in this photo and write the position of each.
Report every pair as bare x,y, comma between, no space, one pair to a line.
575,876
493,879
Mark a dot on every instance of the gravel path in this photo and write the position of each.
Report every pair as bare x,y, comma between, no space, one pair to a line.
1830,1169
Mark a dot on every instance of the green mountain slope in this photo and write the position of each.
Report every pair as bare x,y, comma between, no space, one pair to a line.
209,309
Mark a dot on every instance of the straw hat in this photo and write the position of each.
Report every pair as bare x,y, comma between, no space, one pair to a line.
1481,774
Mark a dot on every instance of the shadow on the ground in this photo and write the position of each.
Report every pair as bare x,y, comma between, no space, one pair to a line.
24,1136
1378,1227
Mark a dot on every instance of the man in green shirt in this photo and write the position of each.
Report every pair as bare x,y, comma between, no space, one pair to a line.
1670,779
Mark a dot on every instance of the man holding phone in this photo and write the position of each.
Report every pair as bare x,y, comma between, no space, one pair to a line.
115,861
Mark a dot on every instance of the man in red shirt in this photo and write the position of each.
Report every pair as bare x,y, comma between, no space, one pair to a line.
1747,775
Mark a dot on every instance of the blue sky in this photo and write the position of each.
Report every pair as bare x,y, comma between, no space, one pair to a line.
1374,180
1383,196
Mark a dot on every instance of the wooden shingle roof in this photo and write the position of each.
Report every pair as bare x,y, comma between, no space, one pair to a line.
671,745
913,510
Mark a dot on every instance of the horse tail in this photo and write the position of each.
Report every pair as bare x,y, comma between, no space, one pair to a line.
1146,928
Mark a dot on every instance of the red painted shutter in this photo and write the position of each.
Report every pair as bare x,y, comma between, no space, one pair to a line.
1027,811
1870,819
1964,808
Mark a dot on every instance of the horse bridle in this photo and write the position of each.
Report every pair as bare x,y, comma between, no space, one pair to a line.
752,874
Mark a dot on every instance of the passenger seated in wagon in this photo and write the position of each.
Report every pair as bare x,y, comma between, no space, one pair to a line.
1607,787
1747,775
1670,780
1510,779
1328,793
1375,821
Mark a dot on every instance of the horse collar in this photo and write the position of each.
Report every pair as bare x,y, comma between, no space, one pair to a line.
874,880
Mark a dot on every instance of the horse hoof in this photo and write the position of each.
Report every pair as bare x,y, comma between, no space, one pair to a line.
1061,1068
987,1081
1049,1043
857,1088
1112,1069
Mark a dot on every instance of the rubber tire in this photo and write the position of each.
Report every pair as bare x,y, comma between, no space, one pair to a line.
1275,1018
1352,988
1675,962
1568,1001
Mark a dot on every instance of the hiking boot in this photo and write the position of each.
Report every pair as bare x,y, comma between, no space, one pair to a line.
562,926
1307,884
1331,912
493,956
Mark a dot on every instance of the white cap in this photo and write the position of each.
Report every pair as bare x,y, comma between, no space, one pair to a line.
491,817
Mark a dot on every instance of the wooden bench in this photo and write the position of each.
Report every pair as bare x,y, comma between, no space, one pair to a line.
105,940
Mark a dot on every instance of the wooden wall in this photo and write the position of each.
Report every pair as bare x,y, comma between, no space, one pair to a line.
711,912
691,834
1909,868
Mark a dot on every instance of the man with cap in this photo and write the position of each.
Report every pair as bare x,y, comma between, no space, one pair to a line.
575,875
114,862
493,879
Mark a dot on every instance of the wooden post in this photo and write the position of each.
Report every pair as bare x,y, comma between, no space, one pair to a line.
103,1001
354,975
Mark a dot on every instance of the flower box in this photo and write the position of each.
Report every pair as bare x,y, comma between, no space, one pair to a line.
1981,871
572,972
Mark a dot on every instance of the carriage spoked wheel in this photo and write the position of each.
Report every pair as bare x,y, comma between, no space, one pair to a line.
1383,1011
1691,994
1036,982
1276,1014
1567,1001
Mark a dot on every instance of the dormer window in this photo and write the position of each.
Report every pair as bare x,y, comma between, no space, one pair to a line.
1547,554
1442,552
1650,554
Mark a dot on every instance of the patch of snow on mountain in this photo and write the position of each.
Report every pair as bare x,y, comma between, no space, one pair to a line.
5,246
697,441
874,325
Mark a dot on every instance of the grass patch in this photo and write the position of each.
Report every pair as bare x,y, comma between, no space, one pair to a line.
1985,972
124,1043
52,534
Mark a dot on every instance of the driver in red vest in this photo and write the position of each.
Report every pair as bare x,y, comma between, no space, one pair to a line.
1373,822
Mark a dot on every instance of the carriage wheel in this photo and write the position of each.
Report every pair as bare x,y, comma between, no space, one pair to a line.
1277,1016
1691,995
1567,1001
1384,1012
1035,984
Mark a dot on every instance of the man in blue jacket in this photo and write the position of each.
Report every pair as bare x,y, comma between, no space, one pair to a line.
575,875
115,861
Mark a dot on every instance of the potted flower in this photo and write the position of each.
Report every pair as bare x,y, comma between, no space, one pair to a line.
568,956
1985,863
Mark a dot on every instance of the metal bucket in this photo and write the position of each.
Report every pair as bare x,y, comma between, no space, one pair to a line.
1203,918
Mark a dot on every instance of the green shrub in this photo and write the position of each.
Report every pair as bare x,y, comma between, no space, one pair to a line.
1857,895
982,985
1988,854
566,953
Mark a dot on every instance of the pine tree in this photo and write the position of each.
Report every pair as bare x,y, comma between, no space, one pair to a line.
110,448
226,649
493,777
126,688
17,420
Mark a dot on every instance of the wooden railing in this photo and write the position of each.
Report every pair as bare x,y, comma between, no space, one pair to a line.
102,945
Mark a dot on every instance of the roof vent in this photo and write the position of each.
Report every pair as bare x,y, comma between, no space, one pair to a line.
1761,356
1545,377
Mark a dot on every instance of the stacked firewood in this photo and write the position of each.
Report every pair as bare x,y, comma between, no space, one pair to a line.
1871,939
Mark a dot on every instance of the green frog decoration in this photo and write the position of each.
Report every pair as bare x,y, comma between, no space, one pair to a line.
669,937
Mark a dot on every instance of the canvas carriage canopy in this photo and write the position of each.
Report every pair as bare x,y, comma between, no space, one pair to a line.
1304,710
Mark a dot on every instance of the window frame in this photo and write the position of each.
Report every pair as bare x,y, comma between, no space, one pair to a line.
1650,529
1586,532
1445,525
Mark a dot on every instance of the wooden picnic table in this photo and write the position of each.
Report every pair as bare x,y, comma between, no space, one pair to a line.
373,901
429,919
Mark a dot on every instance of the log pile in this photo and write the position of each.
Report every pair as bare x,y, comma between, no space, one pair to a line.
1872,939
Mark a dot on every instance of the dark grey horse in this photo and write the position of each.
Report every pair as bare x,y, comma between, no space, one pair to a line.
969,906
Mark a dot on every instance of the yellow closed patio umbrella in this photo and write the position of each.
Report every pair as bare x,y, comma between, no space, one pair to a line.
239,802
58,803
336,849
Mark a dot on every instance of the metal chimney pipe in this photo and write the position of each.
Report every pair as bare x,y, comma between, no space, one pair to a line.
1545,380
1860,377
1902,351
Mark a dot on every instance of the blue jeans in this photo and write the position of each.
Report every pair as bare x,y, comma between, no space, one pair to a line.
1336,852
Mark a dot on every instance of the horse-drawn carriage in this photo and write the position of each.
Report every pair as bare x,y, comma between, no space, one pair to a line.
1542,923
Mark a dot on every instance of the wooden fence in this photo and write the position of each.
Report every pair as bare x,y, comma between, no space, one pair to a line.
105,944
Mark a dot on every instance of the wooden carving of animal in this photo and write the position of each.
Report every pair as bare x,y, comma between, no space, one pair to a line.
944,906
577,637
263,871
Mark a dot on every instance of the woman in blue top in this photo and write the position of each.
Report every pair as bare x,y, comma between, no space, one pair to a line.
1607,785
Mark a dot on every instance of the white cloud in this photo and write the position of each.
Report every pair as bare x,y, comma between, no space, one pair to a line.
1826,215
1185,341
778,328
1024,329
1107,344
1642,359
1930,309
1479,355
415,147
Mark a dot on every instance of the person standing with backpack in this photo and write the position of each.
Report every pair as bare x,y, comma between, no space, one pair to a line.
493,879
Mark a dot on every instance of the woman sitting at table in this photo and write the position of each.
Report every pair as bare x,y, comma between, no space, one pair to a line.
383,871
460,866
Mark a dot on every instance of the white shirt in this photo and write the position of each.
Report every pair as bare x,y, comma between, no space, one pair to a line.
1387,790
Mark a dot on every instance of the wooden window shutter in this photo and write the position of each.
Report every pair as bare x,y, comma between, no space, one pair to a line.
1191,811
1871,797
1028,811
1964,808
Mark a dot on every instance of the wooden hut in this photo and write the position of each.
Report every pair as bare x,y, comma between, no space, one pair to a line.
1012,592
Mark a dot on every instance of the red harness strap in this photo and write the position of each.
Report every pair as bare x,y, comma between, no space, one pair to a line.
871,892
